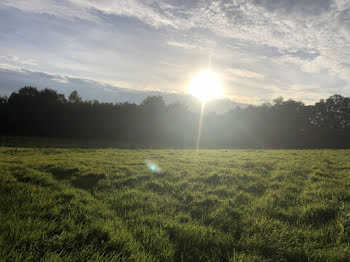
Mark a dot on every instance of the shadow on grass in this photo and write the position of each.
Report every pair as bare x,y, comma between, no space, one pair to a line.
60,173
77,179
88,181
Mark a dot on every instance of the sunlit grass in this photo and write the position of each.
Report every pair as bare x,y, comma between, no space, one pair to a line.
211,205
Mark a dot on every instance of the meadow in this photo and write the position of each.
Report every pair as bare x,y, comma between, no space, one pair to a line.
71,204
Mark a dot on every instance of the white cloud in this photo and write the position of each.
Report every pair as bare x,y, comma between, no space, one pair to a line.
236,72
282,42
181,45
10,67
17,60
64,9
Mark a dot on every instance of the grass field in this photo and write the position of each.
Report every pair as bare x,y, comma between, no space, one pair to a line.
215,205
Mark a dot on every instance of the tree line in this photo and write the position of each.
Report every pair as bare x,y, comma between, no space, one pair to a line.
279,124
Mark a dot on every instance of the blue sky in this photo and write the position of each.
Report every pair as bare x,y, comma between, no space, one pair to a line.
261,49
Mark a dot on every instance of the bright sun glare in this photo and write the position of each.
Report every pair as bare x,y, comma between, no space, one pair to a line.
205,86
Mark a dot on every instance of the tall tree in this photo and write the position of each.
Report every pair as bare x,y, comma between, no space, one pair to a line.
75,98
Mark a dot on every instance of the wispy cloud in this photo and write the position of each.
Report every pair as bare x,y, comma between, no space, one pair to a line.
236,72
181,45
17,60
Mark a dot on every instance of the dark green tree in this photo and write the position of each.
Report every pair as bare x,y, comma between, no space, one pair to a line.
75,98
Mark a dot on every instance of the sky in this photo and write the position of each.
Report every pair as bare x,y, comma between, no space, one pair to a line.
261,49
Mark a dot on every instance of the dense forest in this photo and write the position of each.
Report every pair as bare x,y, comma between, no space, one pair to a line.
279,124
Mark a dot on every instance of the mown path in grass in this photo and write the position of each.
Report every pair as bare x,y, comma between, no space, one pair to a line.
212,205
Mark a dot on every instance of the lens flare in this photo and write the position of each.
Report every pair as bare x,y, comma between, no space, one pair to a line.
152,166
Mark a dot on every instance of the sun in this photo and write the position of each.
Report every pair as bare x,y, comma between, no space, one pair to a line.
206,86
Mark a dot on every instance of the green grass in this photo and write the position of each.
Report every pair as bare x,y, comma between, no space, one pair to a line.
215,205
